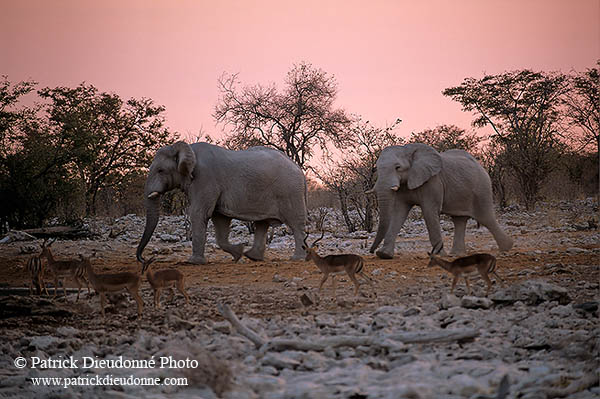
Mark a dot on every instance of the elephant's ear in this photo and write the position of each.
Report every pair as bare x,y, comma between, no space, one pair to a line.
186,158
426,163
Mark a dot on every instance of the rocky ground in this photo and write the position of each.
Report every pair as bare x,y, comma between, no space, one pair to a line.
406,338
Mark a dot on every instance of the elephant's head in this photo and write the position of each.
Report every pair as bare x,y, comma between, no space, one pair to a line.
410,165
171,168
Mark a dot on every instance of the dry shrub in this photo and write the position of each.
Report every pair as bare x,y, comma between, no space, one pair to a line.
559,186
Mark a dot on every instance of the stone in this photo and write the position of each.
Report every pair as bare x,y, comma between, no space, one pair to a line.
67,331
306,301
279,361
575,250
448,301
169,237
411,311
474,302
562,311
465,385
532,292
44,342
264,383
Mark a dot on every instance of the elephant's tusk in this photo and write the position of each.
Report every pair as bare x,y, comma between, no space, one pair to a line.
370,191
153,194
394,188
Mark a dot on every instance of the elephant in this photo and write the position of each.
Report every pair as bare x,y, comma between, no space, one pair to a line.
451,182
259,184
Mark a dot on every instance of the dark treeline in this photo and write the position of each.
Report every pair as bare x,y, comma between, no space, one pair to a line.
78,152
75,152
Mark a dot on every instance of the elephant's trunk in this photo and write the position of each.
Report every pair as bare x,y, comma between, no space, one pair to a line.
152,204
384,199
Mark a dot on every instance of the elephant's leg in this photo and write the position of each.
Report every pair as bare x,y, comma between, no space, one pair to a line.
298,231
460,226
432,221
199,223
257,252
504,242
222,226
398,219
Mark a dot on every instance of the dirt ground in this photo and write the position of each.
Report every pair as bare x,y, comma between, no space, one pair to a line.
274,286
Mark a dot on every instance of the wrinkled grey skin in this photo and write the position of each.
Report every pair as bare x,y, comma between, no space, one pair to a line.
452,182
260,185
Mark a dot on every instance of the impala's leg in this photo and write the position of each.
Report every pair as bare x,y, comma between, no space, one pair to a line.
468,287
333,285
181,289
325,275
454,281
499,279
102,303
356,283
55,286
492,268
79,285
64,288
136,295
366,278
44,286
157,298
487,280
369,281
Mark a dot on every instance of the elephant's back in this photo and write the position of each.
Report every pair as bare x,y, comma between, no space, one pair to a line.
460,162
253,158
458,154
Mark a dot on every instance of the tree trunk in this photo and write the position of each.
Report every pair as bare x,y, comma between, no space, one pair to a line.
344,207
369,215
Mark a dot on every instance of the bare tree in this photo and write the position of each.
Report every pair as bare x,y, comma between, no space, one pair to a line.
337,179
523,109
582,105
368,142
354,173
493,159
295,121
447,137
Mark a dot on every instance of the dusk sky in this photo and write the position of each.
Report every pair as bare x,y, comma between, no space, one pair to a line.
391,59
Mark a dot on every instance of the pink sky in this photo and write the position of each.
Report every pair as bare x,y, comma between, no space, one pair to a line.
391,59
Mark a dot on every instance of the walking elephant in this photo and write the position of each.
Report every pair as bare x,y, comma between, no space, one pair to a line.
451,182
259,184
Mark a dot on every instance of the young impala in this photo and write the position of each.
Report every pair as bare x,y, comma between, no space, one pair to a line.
113,282
63,269
333,264
485,264
164,279
35,270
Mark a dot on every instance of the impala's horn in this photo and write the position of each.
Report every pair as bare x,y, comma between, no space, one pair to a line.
318,239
